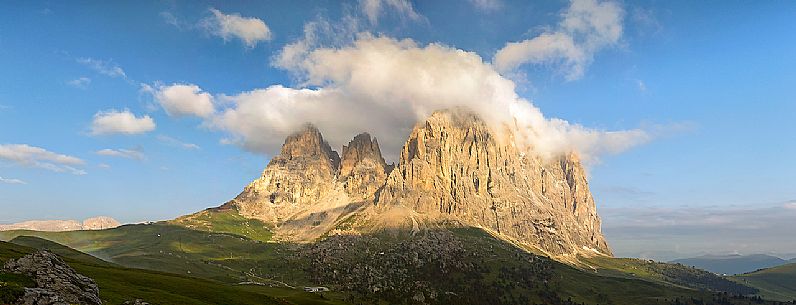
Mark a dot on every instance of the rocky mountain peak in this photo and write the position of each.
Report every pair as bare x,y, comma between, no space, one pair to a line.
308,142
363,170
304,171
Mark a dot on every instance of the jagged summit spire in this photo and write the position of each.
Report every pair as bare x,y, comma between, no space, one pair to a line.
308,142
363,169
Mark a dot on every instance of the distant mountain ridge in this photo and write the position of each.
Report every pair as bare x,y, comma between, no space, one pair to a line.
93,223
733,264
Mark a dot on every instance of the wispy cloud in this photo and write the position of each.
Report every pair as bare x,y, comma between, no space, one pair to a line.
487,5
105,67
250,30
120,122
11,181
135,154
177,143
587,26
80,83
642,86
373,9
32,156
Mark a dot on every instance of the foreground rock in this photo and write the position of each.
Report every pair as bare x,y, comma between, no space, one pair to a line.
57,282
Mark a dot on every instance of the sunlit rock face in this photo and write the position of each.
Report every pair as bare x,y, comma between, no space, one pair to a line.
304,172
453,165
363,170
452,169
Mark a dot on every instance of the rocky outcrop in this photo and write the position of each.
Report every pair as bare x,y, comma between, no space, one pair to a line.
100,223
453,166
363,170
94,223
57,282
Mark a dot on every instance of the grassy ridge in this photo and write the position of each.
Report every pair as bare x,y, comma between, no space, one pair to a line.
118,284
778,283
161,246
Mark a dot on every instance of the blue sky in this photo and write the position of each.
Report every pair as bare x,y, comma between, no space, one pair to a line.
711,84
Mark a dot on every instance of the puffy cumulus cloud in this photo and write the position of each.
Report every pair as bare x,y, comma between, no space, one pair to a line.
134,154
11,181
384,86
32,156
372,9
250,30
587,26
104,67
182,99
120,122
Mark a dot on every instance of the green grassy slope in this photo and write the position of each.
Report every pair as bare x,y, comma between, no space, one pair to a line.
225,220
665,273
778,283
118,284
220,247
176,249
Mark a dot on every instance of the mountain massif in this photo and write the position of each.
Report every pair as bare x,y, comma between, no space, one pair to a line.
453,171
463,217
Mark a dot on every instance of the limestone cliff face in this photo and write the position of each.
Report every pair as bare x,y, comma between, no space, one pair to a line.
363,170
453,165
300,176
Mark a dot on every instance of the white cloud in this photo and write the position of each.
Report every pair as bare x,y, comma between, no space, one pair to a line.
182,99
177,143
791,205
250,30
372,9
11,181
384,86
122,153
587,26
120,122
487,5
105,67
32,156
80,83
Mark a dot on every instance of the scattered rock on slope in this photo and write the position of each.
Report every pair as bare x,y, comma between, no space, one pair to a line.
57,282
